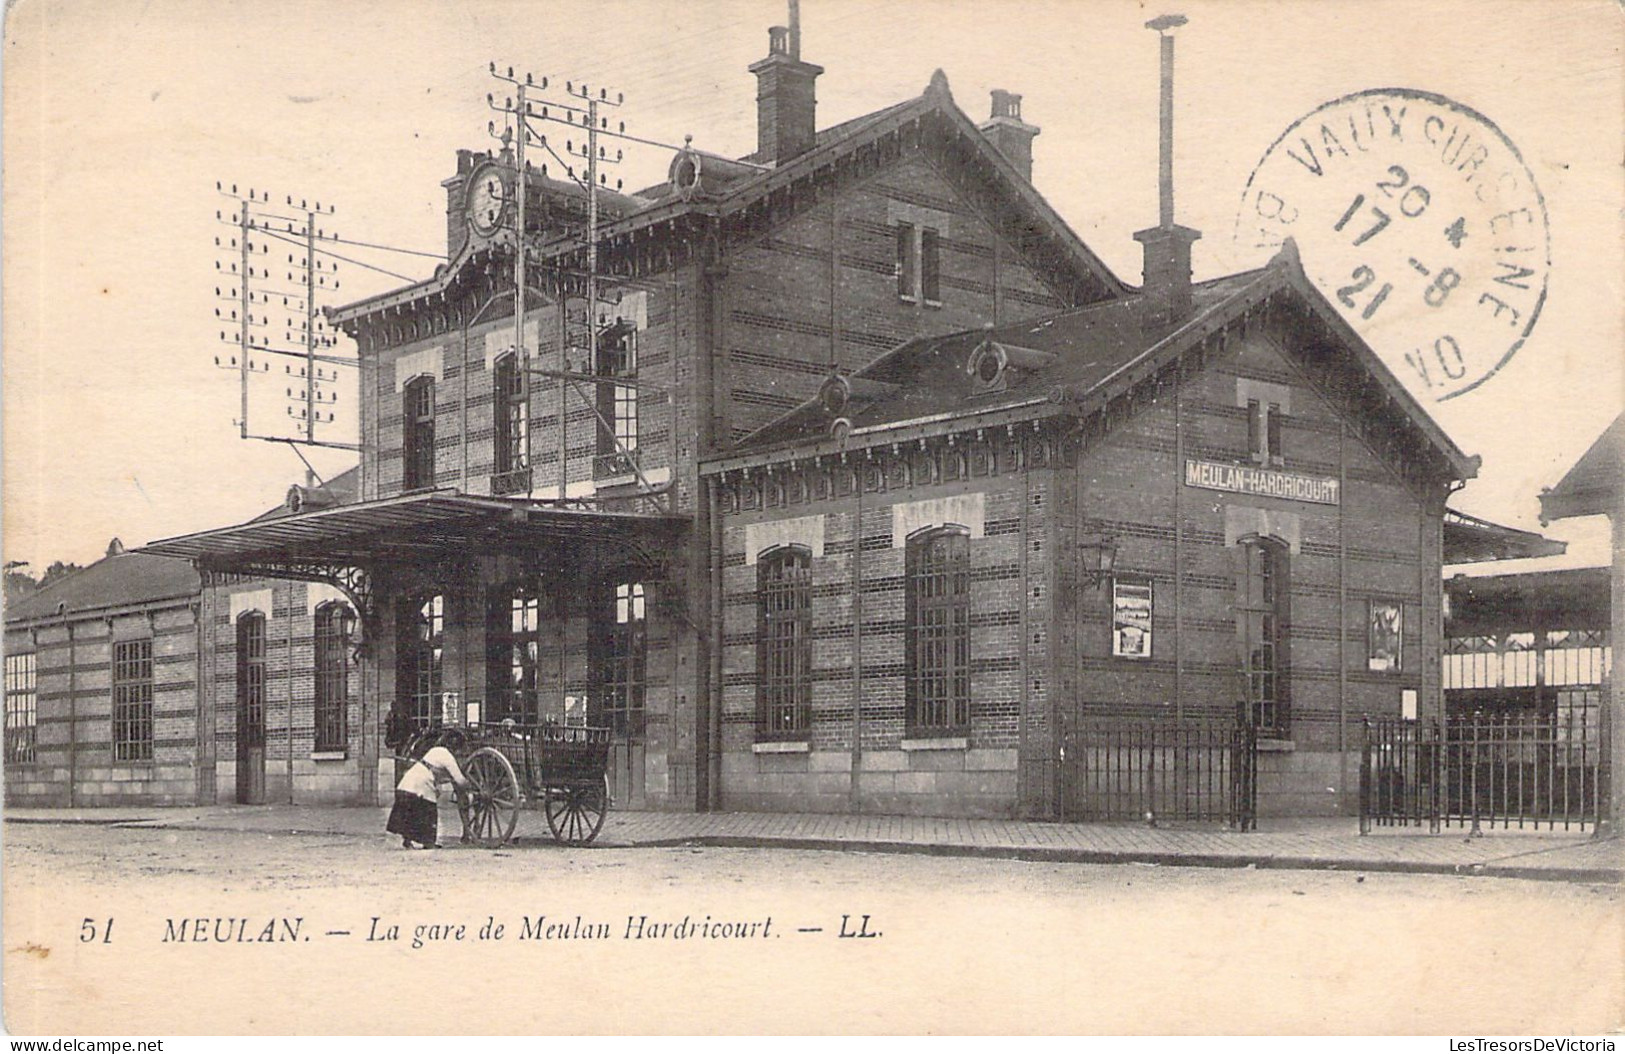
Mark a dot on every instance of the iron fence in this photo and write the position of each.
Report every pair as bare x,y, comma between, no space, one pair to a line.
1483,771
1161,769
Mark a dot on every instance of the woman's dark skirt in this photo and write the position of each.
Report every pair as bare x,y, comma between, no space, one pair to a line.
414,818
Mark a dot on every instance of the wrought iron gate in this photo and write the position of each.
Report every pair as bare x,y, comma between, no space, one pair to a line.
1160,769
1485,770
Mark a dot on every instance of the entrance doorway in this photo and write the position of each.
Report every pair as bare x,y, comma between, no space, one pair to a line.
619,648
251,709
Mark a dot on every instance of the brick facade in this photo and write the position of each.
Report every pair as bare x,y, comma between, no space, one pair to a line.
1040,637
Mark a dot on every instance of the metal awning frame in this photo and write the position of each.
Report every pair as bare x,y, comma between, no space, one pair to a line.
352,547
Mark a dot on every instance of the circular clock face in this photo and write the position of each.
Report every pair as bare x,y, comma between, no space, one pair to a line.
487,198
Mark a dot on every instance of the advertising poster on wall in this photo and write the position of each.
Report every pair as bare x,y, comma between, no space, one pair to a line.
1386,633
1131,619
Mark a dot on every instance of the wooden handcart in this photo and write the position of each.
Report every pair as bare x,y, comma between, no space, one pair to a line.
561,769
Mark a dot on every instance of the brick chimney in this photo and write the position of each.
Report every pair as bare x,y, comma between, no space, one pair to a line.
784,96
1167,274
1009,134
456,197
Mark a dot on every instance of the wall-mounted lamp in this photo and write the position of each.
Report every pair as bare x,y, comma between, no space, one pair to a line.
1105,550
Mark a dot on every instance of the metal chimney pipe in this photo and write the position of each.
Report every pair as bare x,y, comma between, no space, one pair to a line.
1164,25
795,29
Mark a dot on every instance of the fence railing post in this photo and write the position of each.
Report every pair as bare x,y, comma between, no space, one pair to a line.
1365,777
1433,732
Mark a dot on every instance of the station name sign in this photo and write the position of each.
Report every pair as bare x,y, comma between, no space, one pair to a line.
1264,482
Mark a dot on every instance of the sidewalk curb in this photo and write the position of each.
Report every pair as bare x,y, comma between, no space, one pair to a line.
1033,854
1161,859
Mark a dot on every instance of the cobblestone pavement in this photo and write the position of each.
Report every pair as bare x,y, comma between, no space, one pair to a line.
1305,844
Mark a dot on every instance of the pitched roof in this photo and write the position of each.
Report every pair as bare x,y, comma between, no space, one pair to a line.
744,185
124,580
1592,486
1085,357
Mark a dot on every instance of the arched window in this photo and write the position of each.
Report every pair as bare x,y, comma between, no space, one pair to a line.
417,440
335,623
938,623
510,409
250,681
1263,615
784,643
513,634
420,642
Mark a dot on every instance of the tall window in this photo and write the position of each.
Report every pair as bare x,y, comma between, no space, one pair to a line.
919,263
417,448
513,635
132,700
1264,432
618,403
930,266
622,662
938,615
334,625
421,641
1262,616
905,261
784,643
511,410
22,714
250,681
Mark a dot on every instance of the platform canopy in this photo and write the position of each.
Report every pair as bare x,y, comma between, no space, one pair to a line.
1468,540
418,529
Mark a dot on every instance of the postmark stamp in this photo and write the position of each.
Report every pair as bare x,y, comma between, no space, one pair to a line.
1419,220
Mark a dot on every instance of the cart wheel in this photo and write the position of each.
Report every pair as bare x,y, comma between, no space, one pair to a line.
491,807
575,814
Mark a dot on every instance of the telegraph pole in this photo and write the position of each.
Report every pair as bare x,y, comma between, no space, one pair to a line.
520,180
592,235
258,224
310,328
243,339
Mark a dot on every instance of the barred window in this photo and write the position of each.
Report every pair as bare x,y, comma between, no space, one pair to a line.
784,643
251,681
334,624
417,445
132,700
938,618
1262,614
22,714
511,412
513,634
421,641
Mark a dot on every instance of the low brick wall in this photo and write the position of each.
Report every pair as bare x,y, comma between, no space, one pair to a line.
952,782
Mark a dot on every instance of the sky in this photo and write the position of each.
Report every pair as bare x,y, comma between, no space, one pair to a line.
121,115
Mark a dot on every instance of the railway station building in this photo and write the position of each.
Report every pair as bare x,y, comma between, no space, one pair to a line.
859,484
140,680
